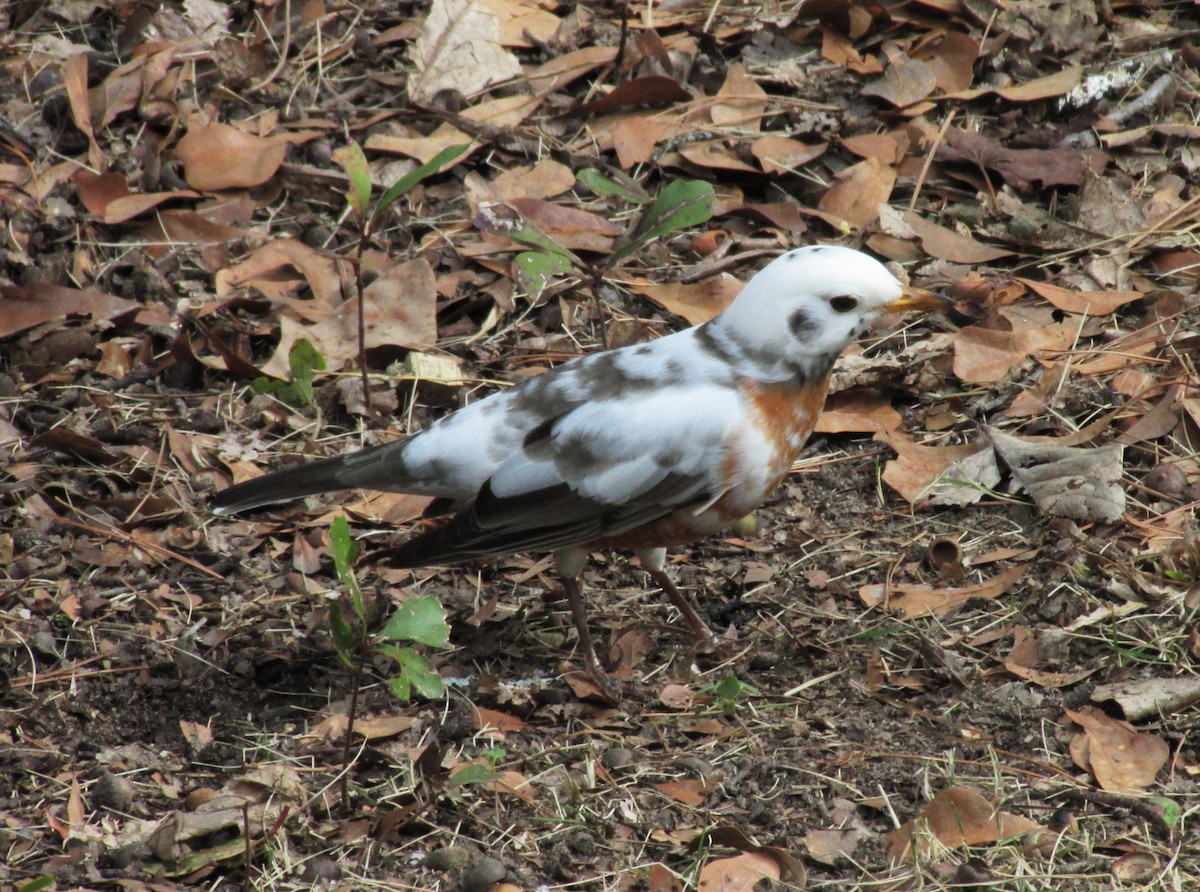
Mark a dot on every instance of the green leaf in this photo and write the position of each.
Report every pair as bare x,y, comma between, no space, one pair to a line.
534,237
681,204
602,185
343,635
345,553
35,885
354,162
1171,812
345,549
414,176
419,619
263,385
416,673
304,361
535,267
730,688
474,773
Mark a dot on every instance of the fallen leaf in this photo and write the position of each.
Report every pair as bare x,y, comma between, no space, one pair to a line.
859,192
946,244
1093,303
1119,757
985,355
831,846
947,475
400,308
956,817
1020,168
904,81
218,156
459,49
1066,481
696,302
1024,658
650,90
690,791
912,600
741,873
740,102
24,306
857,411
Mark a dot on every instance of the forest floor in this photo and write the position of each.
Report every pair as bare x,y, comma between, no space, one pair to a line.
961,642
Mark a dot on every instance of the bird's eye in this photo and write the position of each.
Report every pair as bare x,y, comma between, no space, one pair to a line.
844,303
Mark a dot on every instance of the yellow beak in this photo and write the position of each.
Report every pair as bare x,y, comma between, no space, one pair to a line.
918,299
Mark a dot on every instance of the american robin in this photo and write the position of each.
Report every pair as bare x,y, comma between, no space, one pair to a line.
641,447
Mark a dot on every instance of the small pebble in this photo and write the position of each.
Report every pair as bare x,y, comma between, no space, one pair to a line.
617,757
1166,479
113,792
320,868
482,875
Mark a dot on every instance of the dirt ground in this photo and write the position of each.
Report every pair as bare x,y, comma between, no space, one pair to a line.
996,639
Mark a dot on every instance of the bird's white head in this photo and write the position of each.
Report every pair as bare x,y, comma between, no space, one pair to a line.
802,310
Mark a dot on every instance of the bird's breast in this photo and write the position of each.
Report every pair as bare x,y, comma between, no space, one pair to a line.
761,448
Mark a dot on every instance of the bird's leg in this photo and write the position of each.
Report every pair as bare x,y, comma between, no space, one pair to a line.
654,562
570,567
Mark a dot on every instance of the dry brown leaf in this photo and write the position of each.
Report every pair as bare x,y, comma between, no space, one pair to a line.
1119,757
24,306
281,270
634,136
952,60
524,23
740,102
400,307
545,179
1057,84
831,846
571,227
1066,481
839,49
984,355
947,475
946,244
97,190
1021,168
890,148
956,817
912,600
459,49
740,873
697,302
563,70
1094,303
218,156
859,192
649,90
690,791
857,411
1022,661
714,154
905,80
507,111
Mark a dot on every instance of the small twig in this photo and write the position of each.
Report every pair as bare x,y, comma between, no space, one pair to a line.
620,57
937,141
130,539
355,684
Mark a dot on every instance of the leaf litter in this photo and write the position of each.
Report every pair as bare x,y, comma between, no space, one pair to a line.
174,226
